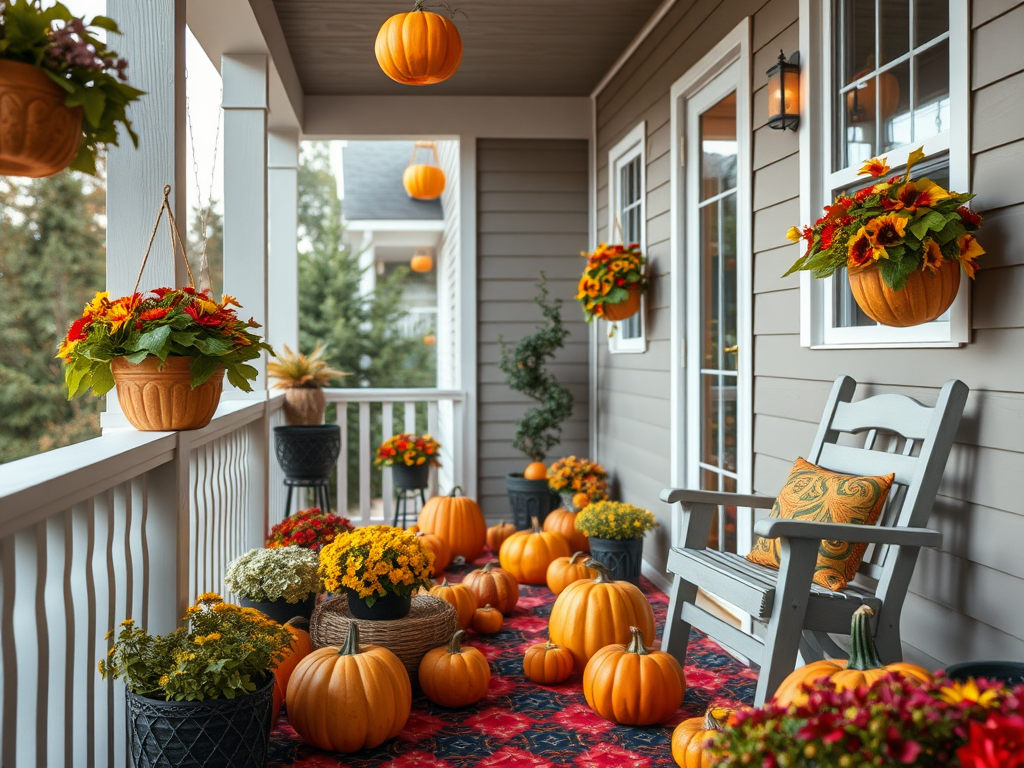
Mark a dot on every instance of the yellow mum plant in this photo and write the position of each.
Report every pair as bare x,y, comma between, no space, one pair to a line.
614,520
375,561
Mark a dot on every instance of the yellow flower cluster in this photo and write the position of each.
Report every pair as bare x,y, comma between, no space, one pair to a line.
576,475
375,561
614,520
610,270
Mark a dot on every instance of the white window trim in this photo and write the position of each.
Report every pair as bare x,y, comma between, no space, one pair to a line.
817,181
632,146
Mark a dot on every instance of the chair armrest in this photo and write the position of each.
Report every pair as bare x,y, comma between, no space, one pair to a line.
777,528
716,498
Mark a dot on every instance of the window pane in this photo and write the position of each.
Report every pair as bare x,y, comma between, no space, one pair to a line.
931,19
931,86
855,37
894,102
855,116
729,423
847,313
718,147
729,486
710,244
894,32
712,417
630,327
727,212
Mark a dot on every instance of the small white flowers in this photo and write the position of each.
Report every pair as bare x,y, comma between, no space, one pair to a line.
267,575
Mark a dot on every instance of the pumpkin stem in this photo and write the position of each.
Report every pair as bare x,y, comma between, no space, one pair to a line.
636,642
549,646
535,523
604,576
576,556
490,564
455,645
444,582
351,645
458,488
712,723
298,621
488,607
863,652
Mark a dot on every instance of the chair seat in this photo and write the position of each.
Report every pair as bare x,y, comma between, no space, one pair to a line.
751,587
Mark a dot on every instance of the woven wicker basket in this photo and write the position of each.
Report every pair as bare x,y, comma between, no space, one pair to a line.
430,624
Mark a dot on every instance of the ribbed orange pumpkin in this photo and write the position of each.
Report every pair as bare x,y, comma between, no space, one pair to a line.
487,620
460,597
589,615
925,296
418,48
690,736
493,586
547,663
863,668
458,520
423,182
454,676
564,522
631,685
437,545
497,534
300,648
347,699
527,554
565,570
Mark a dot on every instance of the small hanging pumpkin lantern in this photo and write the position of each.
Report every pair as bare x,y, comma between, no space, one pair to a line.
424,181
422,261
419,47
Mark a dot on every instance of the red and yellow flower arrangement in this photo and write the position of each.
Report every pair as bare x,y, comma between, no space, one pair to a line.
310,528
611,272
167,323
410,450
902,225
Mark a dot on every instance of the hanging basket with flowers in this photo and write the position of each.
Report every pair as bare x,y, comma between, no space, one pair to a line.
612,282
903,242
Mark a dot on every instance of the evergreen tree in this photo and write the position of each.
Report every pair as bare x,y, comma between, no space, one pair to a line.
214,244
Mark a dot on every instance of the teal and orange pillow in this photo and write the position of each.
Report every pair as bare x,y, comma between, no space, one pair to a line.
820,495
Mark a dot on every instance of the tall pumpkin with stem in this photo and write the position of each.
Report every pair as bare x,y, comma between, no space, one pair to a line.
302,377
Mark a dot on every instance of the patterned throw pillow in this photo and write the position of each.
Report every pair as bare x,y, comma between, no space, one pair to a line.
815,494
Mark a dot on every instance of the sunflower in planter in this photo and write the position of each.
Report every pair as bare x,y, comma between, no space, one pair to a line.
903,242
177,338
612,282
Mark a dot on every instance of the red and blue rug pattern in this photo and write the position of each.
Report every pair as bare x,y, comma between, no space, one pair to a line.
524,725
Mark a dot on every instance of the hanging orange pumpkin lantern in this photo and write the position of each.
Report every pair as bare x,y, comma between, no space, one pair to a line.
419,47
422,260
424,181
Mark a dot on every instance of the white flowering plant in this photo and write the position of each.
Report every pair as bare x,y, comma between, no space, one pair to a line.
269,575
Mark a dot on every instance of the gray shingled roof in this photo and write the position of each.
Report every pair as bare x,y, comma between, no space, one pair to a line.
373,183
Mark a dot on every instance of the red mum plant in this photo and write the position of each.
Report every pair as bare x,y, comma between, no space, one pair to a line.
410,450
310,528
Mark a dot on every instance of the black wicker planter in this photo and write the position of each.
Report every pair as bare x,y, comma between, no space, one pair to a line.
221,733
528,499
386,608
622,557
282,611
1010,673
408,478
309,452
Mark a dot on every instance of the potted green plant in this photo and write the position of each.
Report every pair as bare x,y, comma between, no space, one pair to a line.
64,91
616,531
201,695
282,582
303,378
410,458
540,428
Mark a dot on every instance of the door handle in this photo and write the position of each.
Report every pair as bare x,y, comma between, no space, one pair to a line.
731,350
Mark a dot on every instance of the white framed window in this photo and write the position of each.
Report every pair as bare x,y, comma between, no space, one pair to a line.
627,224
884,78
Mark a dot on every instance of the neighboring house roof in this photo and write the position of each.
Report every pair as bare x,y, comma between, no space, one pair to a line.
373,183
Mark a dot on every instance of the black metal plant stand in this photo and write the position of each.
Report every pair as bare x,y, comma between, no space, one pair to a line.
403,498
321,492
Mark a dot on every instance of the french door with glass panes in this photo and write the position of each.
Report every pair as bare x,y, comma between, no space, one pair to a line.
717,260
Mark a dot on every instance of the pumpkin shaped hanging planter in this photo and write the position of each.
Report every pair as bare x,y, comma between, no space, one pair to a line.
423,181
419,47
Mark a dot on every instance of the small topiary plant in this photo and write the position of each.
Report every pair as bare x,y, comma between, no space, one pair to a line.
540,428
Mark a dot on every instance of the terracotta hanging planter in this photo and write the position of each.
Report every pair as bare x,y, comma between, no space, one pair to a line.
156,399
39,136
924,298
624,309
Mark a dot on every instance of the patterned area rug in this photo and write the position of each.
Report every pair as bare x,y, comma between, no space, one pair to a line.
523,725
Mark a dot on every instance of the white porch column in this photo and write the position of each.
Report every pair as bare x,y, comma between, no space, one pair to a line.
246,102
283,265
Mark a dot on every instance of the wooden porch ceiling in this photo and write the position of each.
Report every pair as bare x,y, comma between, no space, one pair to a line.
513,48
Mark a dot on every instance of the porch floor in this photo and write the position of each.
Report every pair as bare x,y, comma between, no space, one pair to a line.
524,725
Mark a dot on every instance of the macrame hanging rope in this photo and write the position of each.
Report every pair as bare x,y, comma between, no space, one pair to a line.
176,241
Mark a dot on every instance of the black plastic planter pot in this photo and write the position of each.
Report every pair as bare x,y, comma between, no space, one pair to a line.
386,608
410,478
528,499
221,733
622,557
282,611
1009,673
309,452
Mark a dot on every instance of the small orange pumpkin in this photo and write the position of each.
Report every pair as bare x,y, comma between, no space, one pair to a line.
422,262
564,522
690,736
538,470
454,676
418,48
493,586
437,545
565,570
458,520
863,668
423,182
631,685
460,597
547,663
301,647
487,620
497,534
527,554
580,500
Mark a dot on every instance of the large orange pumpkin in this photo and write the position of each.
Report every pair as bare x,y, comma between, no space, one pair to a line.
437,545
454,676
863,668
631,685
458,520
497,534
925,296
460,597
493,586
418,48
547,663
589,615
349,698
565,570
564,522
690,736
300,648
527,554
538,470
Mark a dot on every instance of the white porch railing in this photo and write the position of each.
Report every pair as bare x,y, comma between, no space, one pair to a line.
131,524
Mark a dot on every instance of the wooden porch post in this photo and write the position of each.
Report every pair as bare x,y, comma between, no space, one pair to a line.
283,267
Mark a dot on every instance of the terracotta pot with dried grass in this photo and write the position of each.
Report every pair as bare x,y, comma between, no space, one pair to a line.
302,377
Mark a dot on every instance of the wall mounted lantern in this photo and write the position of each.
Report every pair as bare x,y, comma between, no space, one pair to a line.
784,93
